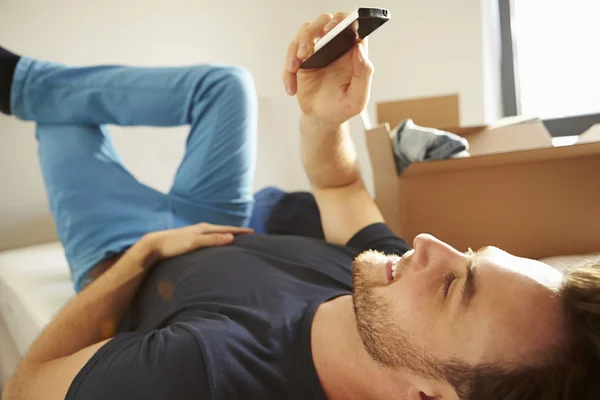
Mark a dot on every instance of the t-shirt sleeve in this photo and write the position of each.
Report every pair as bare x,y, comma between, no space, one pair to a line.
378,237
162,364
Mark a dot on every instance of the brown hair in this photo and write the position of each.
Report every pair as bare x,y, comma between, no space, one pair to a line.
572,369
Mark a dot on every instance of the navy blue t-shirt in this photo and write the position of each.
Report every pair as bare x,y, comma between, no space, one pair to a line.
229,322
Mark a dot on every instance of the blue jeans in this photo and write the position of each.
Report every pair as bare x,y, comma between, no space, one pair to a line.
99,208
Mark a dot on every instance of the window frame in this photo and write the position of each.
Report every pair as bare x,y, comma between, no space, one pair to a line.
564,126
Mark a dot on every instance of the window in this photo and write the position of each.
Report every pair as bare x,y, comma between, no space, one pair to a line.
551,66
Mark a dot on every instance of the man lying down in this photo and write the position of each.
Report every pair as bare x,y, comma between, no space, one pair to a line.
178,300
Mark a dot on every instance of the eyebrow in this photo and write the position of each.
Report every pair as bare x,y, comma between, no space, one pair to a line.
468,290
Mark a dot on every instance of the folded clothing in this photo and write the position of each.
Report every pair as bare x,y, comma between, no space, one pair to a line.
414,143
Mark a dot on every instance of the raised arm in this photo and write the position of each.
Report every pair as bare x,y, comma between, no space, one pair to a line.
328,98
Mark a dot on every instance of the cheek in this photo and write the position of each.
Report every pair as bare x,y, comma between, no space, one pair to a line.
413,301
419,312
412,290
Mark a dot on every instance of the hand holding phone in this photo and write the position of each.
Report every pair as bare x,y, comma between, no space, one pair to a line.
354,28
330,96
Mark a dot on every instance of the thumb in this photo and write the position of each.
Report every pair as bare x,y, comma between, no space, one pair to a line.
362,72
361,64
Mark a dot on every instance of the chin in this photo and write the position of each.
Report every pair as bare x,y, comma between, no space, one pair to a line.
373,269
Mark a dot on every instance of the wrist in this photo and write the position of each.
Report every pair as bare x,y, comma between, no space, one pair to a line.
309,123
147,250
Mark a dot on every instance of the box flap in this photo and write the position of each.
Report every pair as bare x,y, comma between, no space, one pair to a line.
591,135
466,130
513,120
432,112
379,143
508,138
501,123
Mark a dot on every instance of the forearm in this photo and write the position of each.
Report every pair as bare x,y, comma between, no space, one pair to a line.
89,321
92,316
328,155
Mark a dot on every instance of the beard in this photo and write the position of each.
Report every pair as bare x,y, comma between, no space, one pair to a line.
385,342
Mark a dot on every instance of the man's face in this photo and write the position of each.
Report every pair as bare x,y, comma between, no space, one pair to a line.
445,306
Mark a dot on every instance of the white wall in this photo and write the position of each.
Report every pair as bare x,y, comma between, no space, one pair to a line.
431,47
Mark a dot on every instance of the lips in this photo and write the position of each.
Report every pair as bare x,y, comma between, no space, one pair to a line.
394,267
388,269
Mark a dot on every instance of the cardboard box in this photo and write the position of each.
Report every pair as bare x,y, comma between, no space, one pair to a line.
516,192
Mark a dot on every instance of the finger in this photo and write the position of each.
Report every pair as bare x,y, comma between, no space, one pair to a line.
365,43
360,85
292,64
236,230
214,239
337,18
330,25
289,81
205,227
362,64
211,228
309,35
340,16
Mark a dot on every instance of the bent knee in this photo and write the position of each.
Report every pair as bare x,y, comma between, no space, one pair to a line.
235,79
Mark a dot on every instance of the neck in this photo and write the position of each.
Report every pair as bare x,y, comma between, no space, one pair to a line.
345,369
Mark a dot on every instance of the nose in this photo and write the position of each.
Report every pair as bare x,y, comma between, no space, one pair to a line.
434,254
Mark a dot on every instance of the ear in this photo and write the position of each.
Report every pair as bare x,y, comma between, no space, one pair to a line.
415,394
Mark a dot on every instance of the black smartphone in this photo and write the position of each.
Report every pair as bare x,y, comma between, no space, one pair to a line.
354,28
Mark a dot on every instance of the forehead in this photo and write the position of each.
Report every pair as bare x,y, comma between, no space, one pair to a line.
534,270
517,310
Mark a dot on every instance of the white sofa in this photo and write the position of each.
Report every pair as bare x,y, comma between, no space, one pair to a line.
35,283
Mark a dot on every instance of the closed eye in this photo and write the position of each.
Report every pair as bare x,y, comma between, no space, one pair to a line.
448,279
